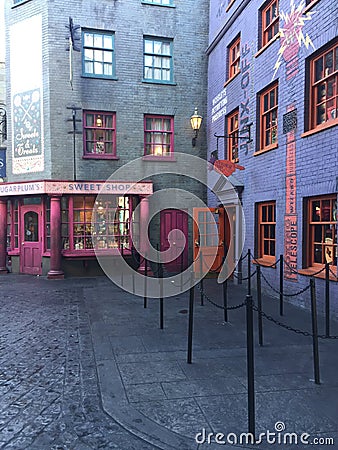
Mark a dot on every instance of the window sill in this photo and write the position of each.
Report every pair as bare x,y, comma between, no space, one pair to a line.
144,2
88,156
265,262
309,6
169,83
320,128
100,77
261,50
265,150
159,158
92,254
231,79
14,252
310,271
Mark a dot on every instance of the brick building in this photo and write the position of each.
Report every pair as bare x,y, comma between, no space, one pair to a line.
91,86
274,65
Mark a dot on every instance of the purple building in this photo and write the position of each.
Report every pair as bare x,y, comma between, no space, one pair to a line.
273,110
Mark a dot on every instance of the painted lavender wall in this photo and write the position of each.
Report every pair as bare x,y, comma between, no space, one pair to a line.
301,166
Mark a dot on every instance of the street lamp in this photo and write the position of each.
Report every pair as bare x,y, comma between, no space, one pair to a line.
195,121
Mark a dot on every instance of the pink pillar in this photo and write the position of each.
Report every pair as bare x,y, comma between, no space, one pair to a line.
144,243
55,238
3,235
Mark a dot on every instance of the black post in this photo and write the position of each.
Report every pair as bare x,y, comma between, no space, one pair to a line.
202,279
191,319
121,251
145,299
161,297
281,285
314,331
249,272
327,299
250,364
225,299
259,304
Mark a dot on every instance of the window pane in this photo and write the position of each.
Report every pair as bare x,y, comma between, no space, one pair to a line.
98,38
88,40
329,63
319,69
108,42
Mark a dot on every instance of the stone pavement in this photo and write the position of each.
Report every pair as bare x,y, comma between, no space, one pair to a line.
84,366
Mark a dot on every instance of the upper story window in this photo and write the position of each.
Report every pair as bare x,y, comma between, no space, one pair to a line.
234,57
322,229
98,54
270,21
158,64
324,87
158,136
160,2
99,134
268,102
232,133
267,231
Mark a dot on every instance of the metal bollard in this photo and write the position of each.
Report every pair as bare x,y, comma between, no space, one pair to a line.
250,364
327,300
259,304
249,272
145,299
281,286
314,331
191,320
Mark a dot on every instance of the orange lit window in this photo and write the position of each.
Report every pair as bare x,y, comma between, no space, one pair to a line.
268,100
232,132
324,90
270,22
267,231
322,229
234,57
158,135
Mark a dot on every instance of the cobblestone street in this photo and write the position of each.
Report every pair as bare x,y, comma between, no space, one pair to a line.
48,383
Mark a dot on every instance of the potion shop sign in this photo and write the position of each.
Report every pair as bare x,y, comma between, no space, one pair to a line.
27,124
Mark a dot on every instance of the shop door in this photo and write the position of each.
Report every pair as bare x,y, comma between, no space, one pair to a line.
31,240
174,231
211,237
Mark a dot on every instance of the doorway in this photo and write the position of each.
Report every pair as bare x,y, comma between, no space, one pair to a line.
174,236
31,239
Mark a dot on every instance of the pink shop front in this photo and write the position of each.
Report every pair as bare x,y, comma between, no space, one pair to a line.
57,228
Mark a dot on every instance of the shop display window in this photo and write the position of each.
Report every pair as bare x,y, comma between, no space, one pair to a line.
88,223
12,225
322,227
267,231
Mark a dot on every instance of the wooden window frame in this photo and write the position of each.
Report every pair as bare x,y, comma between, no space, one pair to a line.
157,60
100,135
328,103
97,50
232,123
262,226
153,149
234,58
269,25
266,115
13,207
327,247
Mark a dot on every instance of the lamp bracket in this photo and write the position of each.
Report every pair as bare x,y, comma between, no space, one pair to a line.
246,129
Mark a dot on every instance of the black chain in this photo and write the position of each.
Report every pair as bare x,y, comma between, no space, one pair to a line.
334,274
265,265
228,308
298,273
284,294
245,278
287,327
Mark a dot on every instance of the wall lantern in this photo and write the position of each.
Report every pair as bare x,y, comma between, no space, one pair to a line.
195,121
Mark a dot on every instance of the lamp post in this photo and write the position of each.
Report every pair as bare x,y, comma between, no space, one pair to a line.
195,121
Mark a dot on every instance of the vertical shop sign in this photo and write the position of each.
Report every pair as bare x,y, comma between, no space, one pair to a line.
246,82
290,218
26,92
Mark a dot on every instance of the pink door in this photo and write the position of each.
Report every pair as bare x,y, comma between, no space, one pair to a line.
31,240
174,231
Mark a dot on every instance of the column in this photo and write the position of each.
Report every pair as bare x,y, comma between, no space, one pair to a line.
144,240
55,271
3,235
